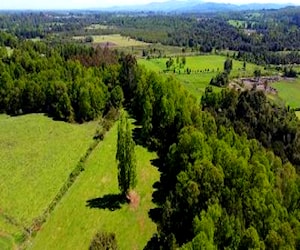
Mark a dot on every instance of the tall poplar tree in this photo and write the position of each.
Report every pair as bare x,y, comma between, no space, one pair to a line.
125,156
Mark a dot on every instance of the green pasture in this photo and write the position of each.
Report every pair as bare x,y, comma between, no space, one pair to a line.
73,223
203,67
97,26
6,243
114,40
289,91
237,23
37,155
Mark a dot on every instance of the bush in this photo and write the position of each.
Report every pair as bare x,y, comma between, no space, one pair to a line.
104,241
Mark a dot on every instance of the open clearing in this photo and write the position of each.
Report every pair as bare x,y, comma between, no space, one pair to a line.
73,223
97,26
37,155
203,67
289,91
115,40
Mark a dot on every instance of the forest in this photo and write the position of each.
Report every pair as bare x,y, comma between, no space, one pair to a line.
228,161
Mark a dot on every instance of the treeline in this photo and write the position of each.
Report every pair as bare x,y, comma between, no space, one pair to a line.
265,30
67,82
217,189
207,32
269,58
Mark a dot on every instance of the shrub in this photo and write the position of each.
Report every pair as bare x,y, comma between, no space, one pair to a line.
104,241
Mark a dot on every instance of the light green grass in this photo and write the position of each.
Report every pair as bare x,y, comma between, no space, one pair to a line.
37,155
6,243
116,39
9,51
298,114
72,224
197,81
36,39
97,26
237,23
289,92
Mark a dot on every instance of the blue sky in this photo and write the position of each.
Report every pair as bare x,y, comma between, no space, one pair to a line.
77,4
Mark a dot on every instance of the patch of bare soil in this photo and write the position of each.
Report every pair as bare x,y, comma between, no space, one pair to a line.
134,199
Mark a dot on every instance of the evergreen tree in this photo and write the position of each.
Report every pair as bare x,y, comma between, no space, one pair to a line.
228,65
125,157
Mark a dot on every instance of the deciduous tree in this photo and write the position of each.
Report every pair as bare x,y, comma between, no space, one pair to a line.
125,156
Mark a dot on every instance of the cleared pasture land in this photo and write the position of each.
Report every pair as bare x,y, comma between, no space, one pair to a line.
73,224
289,91
37,155
114,41
203,68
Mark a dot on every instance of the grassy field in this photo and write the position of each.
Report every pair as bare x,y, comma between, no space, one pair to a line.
37,155
73,224
237,23
6,243
289,92
203,67
115,40
97,26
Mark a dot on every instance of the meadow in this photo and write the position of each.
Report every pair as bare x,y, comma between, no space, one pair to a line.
74,222
37,155
237,23
114,40
289,92
204,67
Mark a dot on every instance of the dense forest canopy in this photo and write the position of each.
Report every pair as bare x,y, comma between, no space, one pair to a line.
69,82
219,189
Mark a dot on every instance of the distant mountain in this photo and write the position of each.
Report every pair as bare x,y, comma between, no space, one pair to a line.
194,6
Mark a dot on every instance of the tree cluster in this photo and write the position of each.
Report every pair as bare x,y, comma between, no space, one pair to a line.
219,188
64,82
250,112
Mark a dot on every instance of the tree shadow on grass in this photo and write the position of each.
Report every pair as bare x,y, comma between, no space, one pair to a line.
108,201
139,139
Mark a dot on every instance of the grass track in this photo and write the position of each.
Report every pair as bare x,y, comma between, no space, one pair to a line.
37,155
72,224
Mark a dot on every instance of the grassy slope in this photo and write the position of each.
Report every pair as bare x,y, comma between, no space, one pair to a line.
73,224
37,154
197,82
289,91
